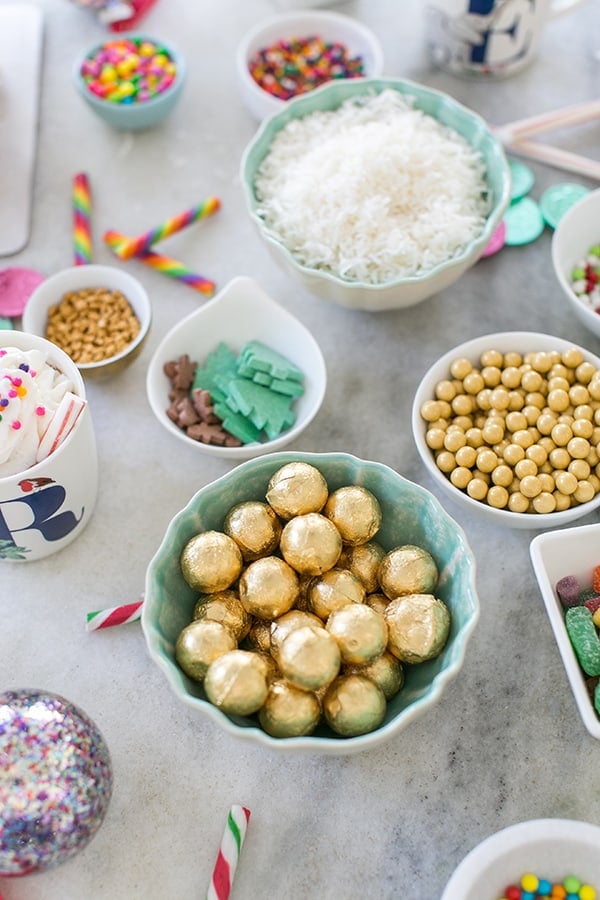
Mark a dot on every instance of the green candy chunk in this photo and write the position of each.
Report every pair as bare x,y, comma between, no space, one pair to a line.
264,359
265,408
597,698
577,274
584,638
286,386
220,366
595,250
237,424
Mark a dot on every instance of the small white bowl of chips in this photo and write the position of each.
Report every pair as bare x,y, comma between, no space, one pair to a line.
239,377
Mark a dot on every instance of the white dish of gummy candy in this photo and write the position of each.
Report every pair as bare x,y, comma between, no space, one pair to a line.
556,555
575,245
263,370
474,472
551,849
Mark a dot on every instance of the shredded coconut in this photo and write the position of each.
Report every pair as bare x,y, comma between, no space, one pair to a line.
372,191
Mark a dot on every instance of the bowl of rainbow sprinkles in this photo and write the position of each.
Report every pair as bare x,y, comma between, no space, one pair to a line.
375,193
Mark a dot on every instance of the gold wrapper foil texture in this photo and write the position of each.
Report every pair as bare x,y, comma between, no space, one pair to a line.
377,601
354,705
385,670
309,658
259,636
236,682
295,618
355,512
289,711
311,544
333,590
408,570
254,527
364,561
360,632
268,587
418,626
296,489
224,607
211,561
199,644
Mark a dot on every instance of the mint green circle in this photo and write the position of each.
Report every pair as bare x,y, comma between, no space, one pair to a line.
524,222
522,179
558,199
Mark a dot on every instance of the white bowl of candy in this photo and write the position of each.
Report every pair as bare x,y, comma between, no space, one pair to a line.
537,858
565,564
505,426
576,259
375,193
238,377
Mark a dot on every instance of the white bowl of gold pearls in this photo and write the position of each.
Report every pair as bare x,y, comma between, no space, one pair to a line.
313,602
508,425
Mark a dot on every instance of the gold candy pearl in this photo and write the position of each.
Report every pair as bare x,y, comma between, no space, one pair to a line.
210,562
236,682
282,626
408,570
333,590
363,561
254,527
418,626
311,544
224,607
354,705
361,633
386,671
297,489
355,512
309,658
199,644
289,711
268,587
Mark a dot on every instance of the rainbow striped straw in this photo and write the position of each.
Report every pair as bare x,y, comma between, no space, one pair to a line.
137,245
164,264
229,853
82,230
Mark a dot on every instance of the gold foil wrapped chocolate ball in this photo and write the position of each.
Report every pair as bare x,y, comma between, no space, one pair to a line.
354,705
418,626
385,670
360,632
311,544
224,607
254,527
309,658
268,587
333,590
236,682
377,601
289,711
364,561
355,512
199,644
296,489
211,561
259,636
295,618
408,570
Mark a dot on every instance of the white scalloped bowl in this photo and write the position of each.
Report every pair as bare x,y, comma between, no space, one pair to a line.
410,513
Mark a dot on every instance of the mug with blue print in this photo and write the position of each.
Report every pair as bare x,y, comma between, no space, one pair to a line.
493,38
48,457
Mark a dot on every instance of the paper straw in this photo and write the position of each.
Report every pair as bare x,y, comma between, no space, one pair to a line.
229,853
115,615
134,246
82,208
555,156
164,264
558,118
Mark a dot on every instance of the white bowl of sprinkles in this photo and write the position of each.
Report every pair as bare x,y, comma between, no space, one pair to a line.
375,193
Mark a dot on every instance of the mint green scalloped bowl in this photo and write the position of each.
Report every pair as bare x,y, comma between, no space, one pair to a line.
409,290
411,514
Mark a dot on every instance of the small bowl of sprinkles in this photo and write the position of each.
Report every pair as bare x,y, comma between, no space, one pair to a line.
132,82
576,259
290,54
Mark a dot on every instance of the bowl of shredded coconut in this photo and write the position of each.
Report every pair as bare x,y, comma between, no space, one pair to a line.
375,193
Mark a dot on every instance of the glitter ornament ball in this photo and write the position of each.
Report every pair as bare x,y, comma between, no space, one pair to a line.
55,781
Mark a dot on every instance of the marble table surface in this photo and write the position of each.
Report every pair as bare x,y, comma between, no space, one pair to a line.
506,742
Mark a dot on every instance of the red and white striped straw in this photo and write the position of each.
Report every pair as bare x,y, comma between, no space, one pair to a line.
61,425
229,853
115,615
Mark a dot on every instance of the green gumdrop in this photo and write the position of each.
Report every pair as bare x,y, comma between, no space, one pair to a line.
584,638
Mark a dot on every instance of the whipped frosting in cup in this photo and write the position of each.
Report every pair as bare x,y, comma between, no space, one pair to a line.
48,457
31,390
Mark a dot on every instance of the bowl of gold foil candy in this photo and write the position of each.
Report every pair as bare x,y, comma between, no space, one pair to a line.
314,602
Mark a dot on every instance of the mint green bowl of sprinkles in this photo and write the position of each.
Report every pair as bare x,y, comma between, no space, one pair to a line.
408,286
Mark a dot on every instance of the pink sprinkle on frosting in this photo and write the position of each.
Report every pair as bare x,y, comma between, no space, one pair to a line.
40,410
16,425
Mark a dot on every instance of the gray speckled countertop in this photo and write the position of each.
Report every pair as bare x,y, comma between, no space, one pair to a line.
506,742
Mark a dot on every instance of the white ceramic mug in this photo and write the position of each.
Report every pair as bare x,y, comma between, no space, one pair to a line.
46,506
493,38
